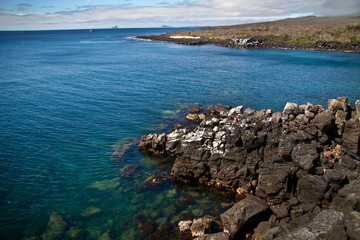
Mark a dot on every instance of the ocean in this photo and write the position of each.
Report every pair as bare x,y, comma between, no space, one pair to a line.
74,103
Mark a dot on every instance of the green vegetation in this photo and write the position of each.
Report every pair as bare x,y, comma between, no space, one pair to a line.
293,30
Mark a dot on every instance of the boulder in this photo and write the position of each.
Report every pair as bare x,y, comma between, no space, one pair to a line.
357,107
305,155
214,236
184,225
291,108
351,136
236,111
328,224
196,110
311,188
274,181
193,117
353,225
325,121
201,226
243,214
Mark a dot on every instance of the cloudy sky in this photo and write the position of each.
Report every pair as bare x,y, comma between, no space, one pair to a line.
86,14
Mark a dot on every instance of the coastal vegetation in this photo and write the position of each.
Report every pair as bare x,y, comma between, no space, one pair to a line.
292,30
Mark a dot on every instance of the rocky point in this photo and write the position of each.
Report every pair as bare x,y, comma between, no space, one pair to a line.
295,173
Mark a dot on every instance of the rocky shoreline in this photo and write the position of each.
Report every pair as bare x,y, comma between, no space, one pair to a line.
295,173
257,43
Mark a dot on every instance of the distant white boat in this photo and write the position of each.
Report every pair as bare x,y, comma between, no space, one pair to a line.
91,30
115,27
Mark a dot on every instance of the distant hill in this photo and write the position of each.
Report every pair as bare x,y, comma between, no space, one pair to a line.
292,30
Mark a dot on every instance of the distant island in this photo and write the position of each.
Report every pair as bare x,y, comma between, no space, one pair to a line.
319,33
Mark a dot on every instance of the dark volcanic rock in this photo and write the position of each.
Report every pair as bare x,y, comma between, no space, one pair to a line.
243,214
328,224
298,161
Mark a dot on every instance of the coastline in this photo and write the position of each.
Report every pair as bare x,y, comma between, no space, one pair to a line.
294,173
256,43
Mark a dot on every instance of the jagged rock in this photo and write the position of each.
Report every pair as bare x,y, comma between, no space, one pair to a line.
291,108
353,225
273,181
357,107
184,225
311,188
236,111
324,121
214,236
201,226
193,117
244,213
328,224
351,136
297,161
196,110
304,155
347,198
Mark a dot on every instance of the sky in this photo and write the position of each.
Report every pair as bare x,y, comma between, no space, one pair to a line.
91,14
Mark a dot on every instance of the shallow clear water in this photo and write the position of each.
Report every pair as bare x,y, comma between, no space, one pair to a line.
69,99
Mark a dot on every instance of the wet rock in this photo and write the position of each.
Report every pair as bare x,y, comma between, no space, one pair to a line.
120,149
328,224
56,227
193,117
201,226
146,228
244,213
185,225
156,180
214,236
129,171
196,110
153,144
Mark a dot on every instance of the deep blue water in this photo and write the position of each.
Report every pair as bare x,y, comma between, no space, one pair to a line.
69,98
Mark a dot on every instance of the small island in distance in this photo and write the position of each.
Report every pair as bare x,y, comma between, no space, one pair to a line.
319,33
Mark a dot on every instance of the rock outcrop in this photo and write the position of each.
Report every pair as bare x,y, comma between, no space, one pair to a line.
298,161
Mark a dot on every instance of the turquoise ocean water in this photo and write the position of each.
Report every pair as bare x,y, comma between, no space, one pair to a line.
71,100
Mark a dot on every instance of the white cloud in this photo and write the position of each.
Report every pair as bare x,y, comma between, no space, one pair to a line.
201,12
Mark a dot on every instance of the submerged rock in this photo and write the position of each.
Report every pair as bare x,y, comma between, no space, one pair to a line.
90,211
56,227
156,180
129,171
106,185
